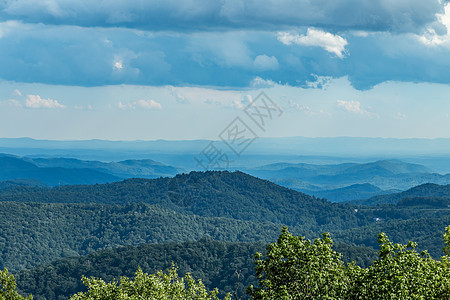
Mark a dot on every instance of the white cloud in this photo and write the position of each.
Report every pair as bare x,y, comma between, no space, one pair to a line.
400,116
118,65
11,103
259,82
8,26
295,106
148,104
433,38
354,107
320,82
314,37
16,92
35,101
307,110
264,62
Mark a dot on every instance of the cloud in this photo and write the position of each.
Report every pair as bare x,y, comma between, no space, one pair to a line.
314,37
16,92
438,33
264,62
400,116
83,107
8,26
35,101
10,103
319,82
354,107
229,58
382,15
118,65
259,82
147,104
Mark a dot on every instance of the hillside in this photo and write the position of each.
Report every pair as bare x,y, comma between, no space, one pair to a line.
428,190
211,194
17,183
144,168
38,233
13,168
425,231
212,261
352,192
384,174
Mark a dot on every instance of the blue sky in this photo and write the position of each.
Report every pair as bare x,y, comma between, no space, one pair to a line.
134,69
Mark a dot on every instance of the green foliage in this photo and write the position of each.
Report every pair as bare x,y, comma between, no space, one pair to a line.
447,241
159,286
296,268
400,273
38,233
214,262
226,194
426,231
8,287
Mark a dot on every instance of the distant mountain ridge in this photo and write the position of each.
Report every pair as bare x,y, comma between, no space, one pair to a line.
17,168
143,168
69,171
354,191
349,181
427,190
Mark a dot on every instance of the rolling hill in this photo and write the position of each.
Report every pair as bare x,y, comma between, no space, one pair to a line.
12,168
210,194
68,171
214,262
428,190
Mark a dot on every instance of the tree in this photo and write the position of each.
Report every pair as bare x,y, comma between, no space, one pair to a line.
447,241
296,268
159,286
400,273
8,287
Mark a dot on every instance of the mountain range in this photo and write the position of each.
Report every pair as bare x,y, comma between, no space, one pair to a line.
64,171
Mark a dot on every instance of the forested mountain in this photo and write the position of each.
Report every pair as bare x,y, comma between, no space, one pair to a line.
352,192
64,171
426,231
41,224
211,194
12,167
212,261
144,168
14,183
428,190
384,174
36,233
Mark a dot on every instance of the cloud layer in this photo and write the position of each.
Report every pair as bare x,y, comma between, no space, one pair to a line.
225,43
383,15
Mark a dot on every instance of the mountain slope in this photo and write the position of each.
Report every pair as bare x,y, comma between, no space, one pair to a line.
210,194
385,174
214,262
37,233
145,168
12,168
352,192
428,190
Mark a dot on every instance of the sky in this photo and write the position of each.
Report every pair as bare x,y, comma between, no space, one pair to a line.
146,70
